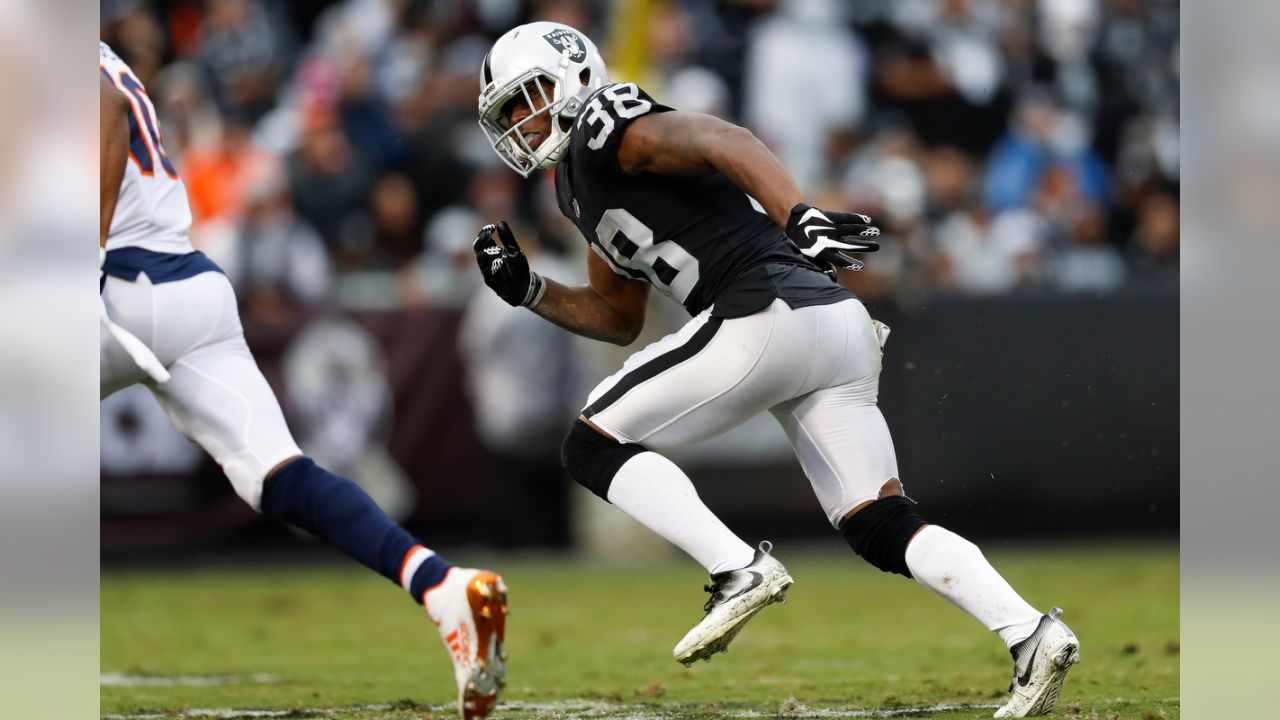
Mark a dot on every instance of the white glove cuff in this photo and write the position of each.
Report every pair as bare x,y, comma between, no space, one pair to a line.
537,288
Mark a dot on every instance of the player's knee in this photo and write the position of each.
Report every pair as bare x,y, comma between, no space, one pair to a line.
248,478
592,459
276,492
892,487
880,532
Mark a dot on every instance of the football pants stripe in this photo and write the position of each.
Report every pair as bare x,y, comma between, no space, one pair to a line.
657,366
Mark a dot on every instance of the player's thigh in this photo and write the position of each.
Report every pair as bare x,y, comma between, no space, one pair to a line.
711,376
218,397
843,444
172,319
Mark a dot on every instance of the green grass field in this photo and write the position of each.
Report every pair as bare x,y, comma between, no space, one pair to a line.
592,640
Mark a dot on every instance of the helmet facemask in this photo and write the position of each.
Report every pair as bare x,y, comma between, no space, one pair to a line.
562,107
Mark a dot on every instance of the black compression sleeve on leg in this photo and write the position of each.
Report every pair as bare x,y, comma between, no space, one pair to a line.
592,459
879,533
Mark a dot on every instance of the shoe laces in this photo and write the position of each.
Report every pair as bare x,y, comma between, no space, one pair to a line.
716,586
716,590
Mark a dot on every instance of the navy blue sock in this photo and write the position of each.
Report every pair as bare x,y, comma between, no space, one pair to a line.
336,510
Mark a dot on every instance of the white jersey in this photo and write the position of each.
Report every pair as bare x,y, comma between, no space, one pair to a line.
152,212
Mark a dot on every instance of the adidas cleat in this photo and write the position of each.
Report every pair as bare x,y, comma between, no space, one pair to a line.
1040,665
736,596
470,609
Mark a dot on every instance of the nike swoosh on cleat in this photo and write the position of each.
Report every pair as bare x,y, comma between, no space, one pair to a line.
756,579
1025,676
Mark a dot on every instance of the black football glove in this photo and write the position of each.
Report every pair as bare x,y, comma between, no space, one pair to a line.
505,267
831,238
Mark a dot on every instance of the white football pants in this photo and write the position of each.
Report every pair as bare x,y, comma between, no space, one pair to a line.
817,369
216,394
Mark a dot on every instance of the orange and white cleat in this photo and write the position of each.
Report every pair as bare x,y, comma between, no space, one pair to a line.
470,609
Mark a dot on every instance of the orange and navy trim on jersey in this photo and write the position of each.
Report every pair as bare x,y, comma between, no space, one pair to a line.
146,145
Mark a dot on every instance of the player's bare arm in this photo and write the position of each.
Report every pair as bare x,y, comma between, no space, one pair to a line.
609,308
113,130
685,143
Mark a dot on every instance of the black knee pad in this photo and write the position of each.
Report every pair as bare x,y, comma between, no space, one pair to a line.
592,459
879,533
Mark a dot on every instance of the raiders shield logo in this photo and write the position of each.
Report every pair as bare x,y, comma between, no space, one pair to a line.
563,40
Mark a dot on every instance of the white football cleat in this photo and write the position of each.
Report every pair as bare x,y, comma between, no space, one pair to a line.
736,596
470,609
1040,665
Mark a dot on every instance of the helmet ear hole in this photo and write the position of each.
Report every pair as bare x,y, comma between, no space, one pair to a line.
584,77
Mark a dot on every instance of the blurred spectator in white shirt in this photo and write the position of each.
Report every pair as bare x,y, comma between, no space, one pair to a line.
1068,29
887,168
697,89
805,81
980,255
276,255
963,36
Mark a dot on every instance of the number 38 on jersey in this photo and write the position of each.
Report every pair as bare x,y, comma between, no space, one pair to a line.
688,236
629,244
622,239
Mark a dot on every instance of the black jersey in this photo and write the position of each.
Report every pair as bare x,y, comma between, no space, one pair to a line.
699,240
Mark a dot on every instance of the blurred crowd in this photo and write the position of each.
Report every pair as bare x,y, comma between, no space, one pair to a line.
332,154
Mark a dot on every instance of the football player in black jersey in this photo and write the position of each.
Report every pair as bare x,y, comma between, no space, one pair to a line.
701,210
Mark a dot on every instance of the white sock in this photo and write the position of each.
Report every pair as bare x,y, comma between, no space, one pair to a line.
954,568
651,489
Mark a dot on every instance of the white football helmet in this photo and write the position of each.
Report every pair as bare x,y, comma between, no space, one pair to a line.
562,56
